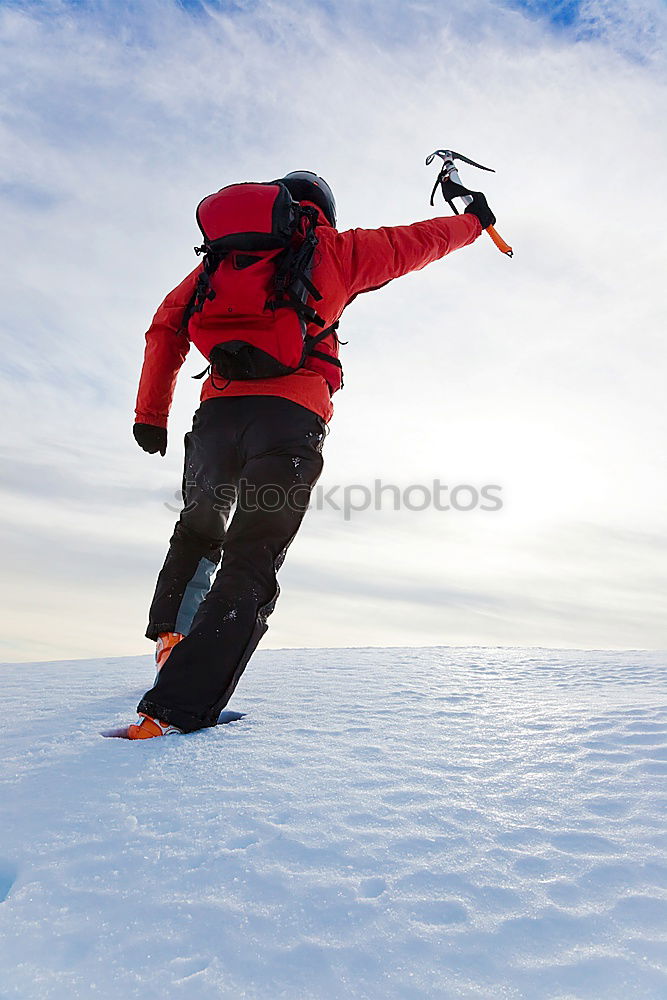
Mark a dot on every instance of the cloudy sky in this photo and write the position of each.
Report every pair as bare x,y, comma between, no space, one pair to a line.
543,375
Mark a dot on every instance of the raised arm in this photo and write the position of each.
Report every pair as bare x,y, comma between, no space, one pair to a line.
369,258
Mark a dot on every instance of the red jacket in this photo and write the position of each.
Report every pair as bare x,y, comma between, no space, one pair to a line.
346,264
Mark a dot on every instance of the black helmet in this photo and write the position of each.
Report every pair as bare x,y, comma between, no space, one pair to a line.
304,185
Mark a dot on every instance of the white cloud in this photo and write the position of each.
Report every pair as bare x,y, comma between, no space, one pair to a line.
543,374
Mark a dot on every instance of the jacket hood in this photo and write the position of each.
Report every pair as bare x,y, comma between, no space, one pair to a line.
321,217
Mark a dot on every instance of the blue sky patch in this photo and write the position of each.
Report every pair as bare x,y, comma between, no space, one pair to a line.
28,196
391,20
561,13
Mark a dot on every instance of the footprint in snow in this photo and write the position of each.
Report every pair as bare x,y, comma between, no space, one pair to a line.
371,888
241,842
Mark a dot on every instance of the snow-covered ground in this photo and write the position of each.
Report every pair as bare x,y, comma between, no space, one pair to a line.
388,824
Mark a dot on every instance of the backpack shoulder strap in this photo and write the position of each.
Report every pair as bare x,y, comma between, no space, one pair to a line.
292,281
310,346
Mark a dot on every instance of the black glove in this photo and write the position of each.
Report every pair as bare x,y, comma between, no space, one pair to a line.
479,206
151,438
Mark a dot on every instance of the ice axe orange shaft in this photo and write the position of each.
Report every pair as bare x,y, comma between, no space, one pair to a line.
449,172
499,241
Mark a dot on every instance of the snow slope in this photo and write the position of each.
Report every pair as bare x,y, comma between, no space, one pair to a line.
388,824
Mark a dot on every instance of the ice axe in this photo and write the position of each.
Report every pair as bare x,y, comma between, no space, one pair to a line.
450,183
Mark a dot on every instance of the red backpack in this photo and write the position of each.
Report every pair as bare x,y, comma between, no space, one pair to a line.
249,314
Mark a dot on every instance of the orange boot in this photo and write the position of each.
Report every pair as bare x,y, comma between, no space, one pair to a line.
148,728
165,643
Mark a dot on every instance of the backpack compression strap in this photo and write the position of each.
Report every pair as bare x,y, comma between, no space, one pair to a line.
203,291
294,270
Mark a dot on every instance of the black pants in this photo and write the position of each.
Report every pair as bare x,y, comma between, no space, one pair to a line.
264,454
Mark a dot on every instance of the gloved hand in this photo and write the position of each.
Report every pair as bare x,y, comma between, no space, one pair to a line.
479,206
152,439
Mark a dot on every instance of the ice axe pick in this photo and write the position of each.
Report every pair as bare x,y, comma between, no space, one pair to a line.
450,183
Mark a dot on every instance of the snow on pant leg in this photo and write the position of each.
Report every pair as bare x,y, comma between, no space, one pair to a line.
196,544
281,451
